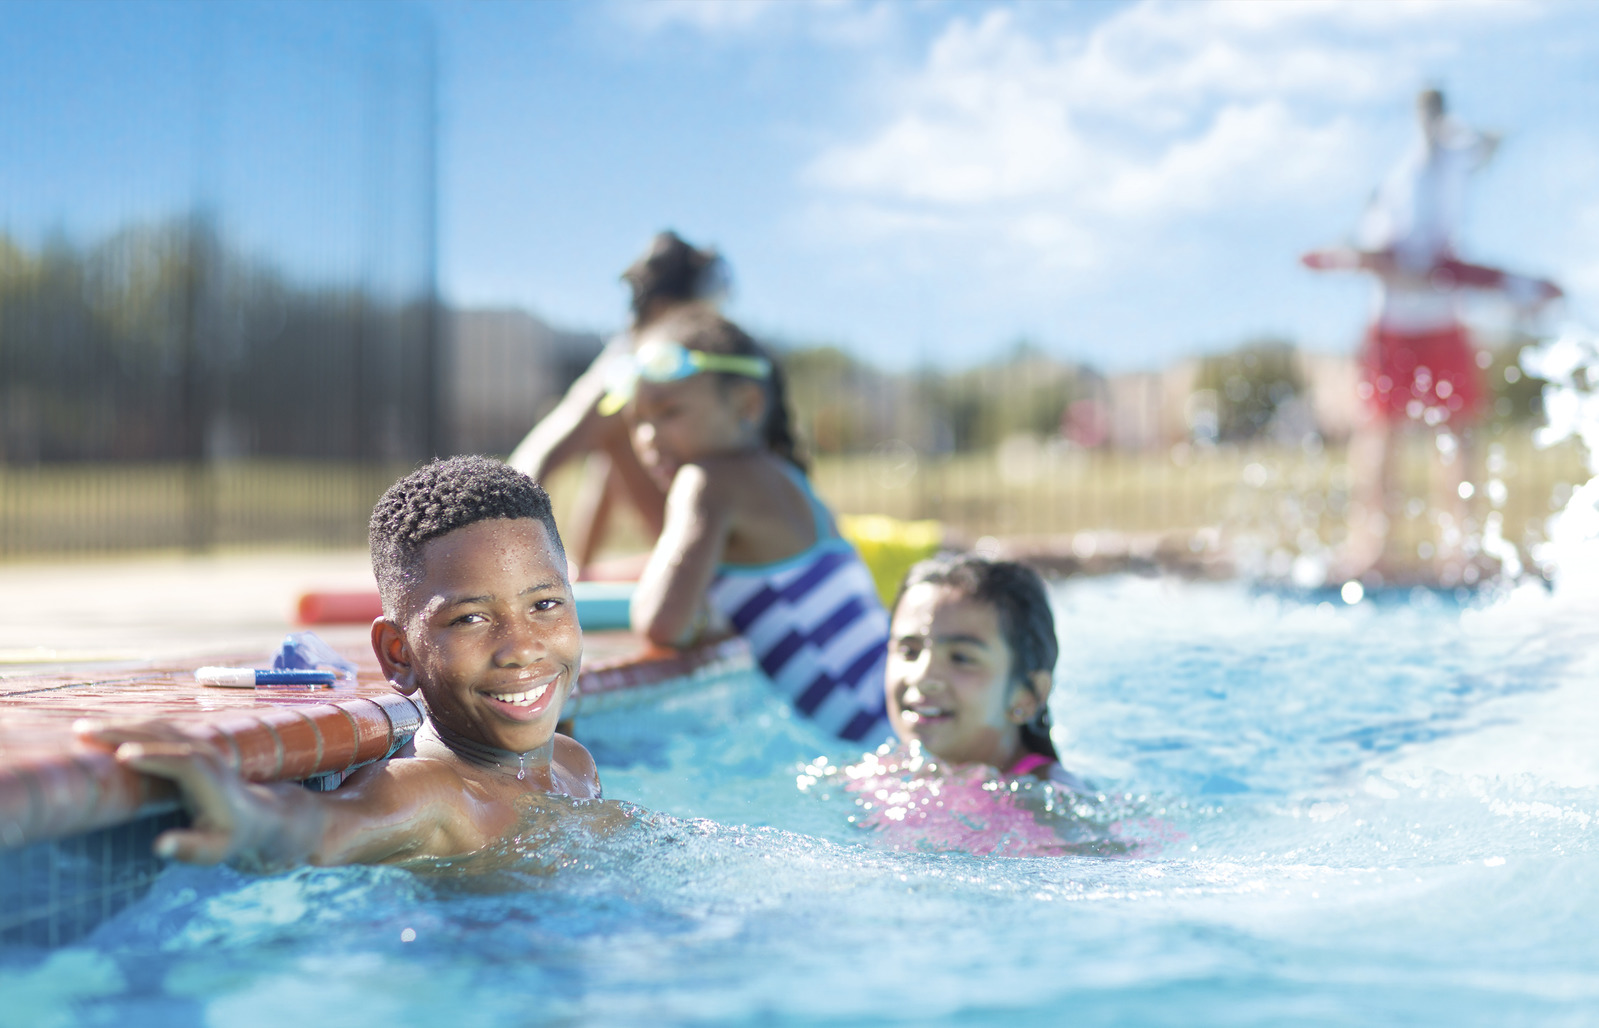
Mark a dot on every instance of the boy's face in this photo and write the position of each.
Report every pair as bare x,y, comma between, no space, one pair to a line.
489,633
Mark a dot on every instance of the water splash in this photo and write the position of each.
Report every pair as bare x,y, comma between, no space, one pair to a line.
910,804
1570,364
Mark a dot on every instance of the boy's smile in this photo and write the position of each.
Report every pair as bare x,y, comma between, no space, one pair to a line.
490,633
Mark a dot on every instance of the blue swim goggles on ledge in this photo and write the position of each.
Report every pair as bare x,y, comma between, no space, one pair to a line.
668,361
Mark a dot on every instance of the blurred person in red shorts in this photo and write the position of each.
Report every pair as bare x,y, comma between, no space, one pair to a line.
1418,366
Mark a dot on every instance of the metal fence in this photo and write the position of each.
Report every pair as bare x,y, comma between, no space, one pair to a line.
217,308
1253,450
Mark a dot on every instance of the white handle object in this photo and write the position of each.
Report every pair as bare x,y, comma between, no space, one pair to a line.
226,677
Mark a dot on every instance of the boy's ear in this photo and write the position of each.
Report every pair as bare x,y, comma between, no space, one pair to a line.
394,655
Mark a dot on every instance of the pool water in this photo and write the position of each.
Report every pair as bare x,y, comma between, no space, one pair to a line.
1380,813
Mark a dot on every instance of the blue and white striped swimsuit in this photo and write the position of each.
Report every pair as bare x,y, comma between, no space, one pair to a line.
816,627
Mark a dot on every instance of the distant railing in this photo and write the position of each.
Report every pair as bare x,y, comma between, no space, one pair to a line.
227,339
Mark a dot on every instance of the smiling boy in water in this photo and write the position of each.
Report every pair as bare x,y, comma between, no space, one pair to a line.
478,620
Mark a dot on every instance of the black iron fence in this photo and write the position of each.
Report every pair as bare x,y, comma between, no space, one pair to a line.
239,321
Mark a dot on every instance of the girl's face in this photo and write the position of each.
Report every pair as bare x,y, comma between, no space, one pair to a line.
677,423
949,679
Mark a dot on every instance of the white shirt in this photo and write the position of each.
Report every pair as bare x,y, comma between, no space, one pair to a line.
1416,212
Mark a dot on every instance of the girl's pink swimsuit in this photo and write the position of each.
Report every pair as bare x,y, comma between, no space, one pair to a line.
1028,764
964,809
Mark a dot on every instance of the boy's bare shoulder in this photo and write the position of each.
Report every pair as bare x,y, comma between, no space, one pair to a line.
406,775
576,766
413,777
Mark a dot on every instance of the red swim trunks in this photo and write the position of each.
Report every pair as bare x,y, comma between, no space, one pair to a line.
1431,377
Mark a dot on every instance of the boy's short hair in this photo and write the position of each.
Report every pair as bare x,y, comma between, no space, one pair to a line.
441,497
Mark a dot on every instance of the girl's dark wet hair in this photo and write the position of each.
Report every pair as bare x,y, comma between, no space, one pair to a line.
698,327
441,497
1017,594
673,270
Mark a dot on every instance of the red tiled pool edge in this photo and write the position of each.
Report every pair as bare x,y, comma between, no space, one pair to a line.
66,785
54,784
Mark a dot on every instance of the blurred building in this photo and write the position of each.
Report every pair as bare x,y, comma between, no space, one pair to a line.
507,368
1330,382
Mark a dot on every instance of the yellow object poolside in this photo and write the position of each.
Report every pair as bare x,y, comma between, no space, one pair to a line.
889,546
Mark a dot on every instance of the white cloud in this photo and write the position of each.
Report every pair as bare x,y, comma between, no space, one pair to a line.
712,17
839,22
1256,151
1161,113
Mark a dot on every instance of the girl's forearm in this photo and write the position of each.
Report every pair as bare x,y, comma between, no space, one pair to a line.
665,615
669,605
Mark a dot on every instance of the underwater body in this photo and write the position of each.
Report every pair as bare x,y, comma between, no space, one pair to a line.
1376,812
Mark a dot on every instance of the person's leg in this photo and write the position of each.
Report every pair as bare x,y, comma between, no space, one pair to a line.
1372,502
591,512
1450,463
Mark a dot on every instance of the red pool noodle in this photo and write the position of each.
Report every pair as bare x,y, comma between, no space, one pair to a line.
339,608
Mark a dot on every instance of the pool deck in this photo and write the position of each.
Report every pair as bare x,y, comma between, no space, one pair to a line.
117,641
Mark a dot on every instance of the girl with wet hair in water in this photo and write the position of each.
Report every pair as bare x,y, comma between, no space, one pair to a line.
971,659
972,651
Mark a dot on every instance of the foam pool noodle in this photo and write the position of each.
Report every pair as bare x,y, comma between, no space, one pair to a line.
889,546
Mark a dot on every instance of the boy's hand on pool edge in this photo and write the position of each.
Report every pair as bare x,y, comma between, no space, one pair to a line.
212,836
230,819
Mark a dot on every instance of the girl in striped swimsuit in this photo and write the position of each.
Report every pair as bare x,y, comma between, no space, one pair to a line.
747,547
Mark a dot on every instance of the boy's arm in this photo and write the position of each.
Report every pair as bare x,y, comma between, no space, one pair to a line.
669,604
386,811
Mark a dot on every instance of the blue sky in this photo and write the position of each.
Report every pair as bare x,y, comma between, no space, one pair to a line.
1116,182
1122,183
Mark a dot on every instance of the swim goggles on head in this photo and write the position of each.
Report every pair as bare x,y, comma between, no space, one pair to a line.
668,361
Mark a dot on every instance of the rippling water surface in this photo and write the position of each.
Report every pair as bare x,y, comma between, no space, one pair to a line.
1378,814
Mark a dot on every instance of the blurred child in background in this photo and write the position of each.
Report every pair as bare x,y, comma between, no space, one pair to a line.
670,274
746,547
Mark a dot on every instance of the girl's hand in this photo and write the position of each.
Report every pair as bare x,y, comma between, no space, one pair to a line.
669,604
